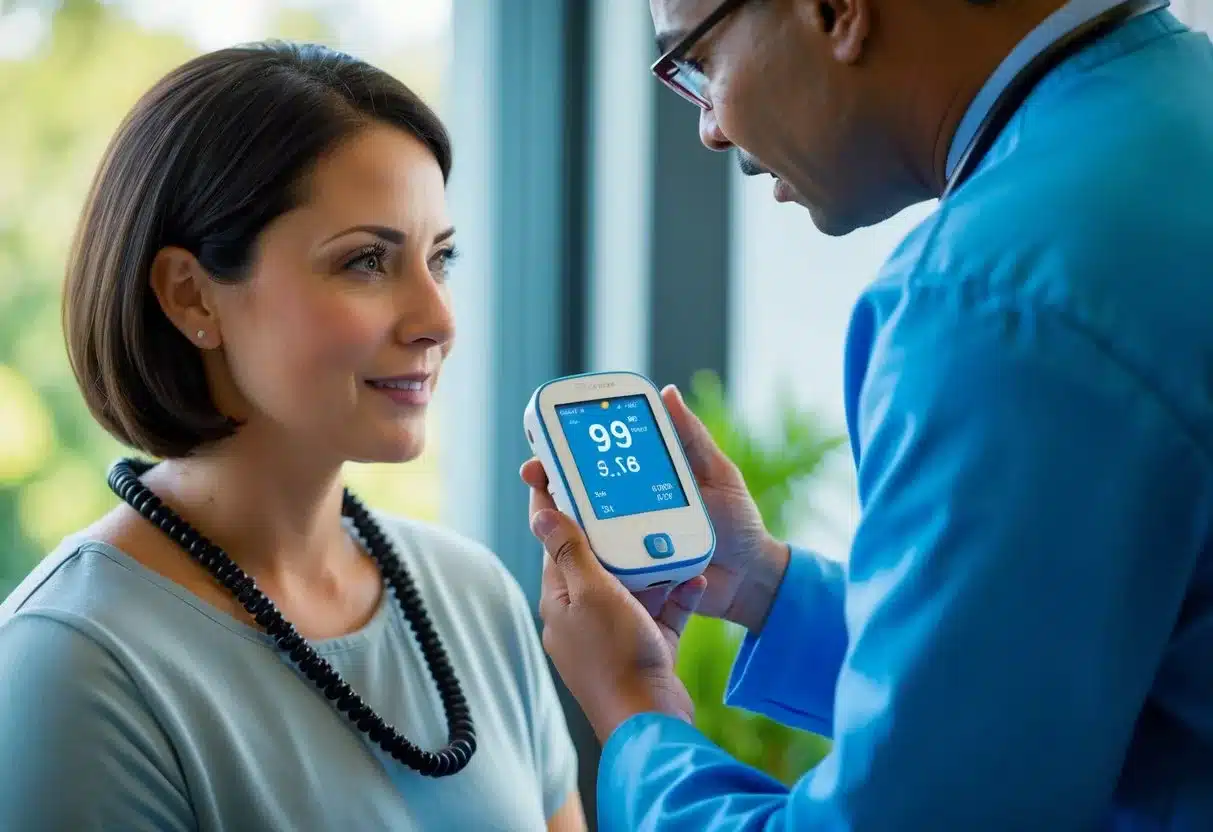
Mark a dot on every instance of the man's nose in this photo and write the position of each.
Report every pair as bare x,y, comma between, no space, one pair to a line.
709,132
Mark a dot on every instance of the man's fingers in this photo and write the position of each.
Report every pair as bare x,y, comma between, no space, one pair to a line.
552,582
541,500
532,474
566,545
701,450
653,599
555,591
554,594
682,602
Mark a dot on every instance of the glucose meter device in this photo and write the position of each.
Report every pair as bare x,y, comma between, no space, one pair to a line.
615,464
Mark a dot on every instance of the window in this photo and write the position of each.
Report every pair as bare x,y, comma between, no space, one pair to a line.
792,298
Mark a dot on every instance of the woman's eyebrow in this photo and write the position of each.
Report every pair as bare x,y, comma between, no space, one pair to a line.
391,235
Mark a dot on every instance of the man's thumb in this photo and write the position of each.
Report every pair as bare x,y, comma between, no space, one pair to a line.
697,441
566,543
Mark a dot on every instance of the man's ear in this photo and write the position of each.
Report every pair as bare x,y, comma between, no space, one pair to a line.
847,24
182,287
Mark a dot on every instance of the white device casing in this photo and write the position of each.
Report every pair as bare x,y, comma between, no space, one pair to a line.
618,542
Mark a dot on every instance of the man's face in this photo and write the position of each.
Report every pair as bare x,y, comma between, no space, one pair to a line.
786,91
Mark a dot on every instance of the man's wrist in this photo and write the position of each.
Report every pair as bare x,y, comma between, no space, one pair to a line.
644,700
763,579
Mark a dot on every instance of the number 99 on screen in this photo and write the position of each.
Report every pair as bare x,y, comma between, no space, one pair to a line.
618,436
619,431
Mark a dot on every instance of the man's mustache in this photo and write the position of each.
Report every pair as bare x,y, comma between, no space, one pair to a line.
749,165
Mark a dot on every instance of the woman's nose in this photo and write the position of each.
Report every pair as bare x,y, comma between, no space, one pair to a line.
424,311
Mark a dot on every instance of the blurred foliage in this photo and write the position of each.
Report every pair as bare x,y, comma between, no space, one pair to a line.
60,102
776,470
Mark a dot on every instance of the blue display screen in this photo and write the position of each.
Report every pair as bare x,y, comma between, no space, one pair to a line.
621,456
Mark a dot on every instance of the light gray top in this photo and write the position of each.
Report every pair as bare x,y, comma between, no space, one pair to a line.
128,703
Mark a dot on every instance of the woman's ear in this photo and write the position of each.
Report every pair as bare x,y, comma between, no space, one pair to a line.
183,289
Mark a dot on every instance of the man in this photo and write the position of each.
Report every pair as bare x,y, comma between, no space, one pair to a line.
1023,635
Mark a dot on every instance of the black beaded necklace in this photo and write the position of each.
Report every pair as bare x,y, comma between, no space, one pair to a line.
461,744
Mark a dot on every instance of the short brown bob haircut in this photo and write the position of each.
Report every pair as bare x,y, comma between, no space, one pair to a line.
206,159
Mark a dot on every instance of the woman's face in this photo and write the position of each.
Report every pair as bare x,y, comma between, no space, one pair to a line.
336,341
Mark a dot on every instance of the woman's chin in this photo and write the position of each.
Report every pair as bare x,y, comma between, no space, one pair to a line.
403,451
393,448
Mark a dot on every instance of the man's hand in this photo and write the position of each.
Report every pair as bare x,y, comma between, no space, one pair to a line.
616,658
748,564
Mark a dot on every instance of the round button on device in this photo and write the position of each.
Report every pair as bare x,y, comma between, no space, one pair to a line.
659,545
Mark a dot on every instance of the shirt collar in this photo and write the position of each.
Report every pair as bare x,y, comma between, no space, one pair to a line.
1056,26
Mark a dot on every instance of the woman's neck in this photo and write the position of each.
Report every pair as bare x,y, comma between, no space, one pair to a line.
276,512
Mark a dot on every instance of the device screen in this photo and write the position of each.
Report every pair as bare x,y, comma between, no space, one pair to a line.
621,456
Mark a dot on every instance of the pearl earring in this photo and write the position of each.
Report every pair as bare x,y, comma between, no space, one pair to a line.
201,334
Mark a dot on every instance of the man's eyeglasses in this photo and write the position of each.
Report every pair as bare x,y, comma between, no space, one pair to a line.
681,75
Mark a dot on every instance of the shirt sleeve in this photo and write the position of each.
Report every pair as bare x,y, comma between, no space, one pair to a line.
1032,516
82,751
788,672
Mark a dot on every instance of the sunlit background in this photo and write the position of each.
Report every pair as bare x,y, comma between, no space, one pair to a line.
596,232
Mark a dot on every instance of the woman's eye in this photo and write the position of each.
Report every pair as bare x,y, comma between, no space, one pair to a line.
441,262
372,261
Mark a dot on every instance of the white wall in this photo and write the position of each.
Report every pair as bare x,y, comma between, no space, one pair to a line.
1196,13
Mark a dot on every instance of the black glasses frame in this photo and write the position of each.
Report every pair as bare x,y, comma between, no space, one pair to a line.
668,67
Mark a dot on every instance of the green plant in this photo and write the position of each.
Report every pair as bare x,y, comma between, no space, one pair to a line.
775,470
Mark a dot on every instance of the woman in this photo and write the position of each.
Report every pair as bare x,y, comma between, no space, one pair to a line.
256,295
